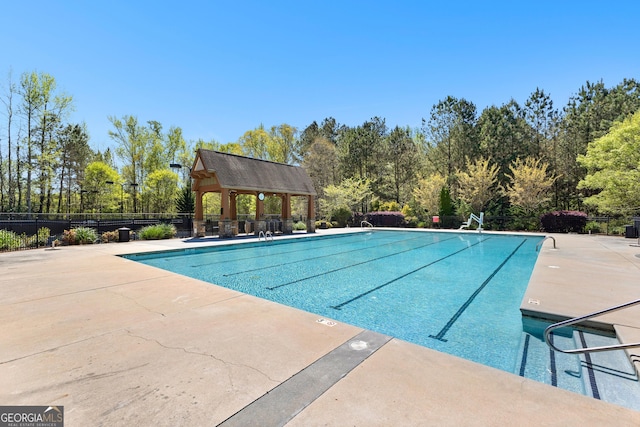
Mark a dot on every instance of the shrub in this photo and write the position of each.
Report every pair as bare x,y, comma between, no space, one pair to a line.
69,237
593,227
564,221
385,219
9,240
340,216
323,224
110,236
43,236
617,230
86,235
157,231
389,206
300,226
79,236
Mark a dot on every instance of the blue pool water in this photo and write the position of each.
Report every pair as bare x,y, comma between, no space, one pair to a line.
459,293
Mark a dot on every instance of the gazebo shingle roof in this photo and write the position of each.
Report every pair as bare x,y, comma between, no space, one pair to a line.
245,173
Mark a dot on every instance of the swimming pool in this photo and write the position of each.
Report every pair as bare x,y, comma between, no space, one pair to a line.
459,293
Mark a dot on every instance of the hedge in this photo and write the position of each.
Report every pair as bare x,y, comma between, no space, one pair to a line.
385,219
564,221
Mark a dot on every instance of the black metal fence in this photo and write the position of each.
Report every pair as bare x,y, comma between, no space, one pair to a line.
22,231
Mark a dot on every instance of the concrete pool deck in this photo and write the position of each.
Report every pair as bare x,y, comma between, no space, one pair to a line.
120,343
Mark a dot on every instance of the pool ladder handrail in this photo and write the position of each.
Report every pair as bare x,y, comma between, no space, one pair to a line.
539,245
265,235
547,332
367,223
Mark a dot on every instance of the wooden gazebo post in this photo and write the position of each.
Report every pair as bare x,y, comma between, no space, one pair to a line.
198,220
311,214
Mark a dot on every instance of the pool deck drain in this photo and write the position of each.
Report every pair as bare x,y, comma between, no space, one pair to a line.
278,406
117,343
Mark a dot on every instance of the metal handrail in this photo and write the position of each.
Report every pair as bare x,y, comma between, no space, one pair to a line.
362,224
575,320
266,235
542,241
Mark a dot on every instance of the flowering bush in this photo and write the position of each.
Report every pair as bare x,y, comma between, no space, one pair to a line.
385,219
564,221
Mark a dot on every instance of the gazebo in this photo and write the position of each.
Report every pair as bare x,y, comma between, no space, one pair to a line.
230,175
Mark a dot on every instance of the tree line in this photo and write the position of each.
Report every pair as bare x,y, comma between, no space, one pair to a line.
458,160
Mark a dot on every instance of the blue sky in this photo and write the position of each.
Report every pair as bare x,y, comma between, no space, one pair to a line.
218,69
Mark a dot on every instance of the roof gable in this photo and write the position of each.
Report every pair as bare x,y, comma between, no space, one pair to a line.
244,173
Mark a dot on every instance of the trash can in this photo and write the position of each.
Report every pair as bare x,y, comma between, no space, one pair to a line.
124,234
630,232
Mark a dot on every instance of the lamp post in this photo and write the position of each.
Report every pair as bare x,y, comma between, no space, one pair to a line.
135,204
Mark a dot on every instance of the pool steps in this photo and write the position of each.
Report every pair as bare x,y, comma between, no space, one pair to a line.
608,376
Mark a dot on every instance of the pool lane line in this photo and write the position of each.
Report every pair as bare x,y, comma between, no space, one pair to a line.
271,288
266,267
281,404
589,365
525,353
357,297
552,363
440,335
329,244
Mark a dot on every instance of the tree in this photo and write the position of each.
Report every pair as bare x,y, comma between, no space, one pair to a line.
321,163
450,136
588,116
30,92
401,164
54,108
350,194
542,119
613,169
427,193
476,184
329,129
98,196
284,146
161,188
145,150
74,149
132,144
359,150
255,143
504,136
12,180
529,185
185,202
